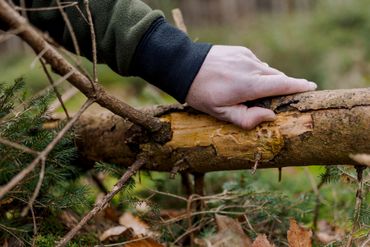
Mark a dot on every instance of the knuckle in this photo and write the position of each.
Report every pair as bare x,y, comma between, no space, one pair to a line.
245,50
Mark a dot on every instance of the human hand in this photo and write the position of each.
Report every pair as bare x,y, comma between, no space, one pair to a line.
232,75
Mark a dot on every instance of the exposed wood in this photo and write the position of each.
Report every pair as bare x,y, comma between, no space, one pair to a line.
315,128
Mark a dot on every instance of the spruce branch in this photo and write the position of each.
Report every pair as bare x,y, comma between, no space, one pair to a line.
43,155
107,198
18,146
37,190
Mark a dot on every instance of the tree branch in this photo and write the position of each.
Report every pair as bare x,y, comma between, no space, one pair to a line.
107,198
315,128
29,34
43,155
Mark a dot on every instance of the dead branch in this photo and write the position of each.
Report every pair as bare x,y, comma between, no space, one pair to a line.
70,28
93,40
315,128
107,198
29,34
18,146
56,91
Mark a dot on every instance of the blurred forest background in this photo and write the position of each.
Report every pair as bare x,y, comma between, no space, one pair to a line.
326,41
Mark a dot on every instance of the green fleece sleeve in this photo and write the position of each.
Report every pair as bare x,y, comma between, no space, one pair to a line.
119,26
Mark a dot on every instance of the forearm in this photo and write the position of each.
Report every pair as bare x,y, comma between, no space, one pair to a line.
119,26
131,38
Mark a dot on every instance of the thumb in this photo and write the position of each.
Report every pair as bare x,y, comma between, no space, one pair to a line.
244,117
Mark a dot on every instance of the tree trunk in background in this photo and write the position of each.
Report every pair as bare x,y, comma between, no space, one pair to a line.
315,128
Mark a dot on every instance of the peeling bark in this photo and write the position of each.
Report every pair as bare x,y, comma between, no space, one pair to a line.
315,128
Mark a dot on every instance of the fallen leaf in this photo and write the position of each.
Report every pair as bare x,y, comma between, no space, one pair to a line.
299,236
224,223
112,232
6,201
148,242
139,227
327,233
230,233
262,241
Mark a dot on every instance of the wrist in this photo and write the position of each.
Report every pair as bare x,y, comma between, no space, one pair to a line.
168,59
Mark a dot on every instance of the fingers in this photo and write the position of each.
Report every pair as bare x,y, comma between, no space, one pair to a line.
273,85
244,117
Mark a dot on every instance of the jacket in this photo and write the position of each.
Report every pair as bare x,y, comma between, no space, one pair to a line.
132,39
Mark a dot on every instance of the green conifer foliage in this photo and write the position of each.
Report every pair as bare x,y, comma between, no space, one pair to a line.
22,122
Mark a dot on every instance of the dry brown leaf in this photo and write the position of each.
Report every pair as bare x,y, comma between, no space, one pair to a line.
224,223
327,233
139,227
262,241
6,201
148,242
230,233
299,236
112,232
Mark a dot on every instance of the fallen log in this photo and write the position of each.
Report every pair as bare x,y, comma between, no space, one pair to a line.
314,128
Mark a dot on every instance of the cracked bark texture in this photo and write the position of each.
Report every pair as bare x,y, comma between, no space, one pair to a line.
314,128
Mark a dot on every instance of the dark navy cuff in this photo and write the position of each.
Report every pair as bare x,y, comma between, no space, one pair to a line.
168,59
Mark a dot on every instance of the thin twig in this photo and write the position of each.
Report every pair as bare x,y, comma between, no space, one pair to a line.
359,198
51,81
93,42
70,28
34,227
18,146
65,5
38,57
61,66
107,198
10,231
42,155
67,95
367,241
9,34
37,189
187,232
167,194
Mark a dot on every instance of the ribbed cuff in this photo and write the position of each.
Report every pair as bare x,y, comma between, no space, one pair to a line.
168,59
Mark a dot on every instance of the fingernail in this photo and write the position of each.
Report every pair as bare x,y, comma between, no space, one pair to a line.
312,85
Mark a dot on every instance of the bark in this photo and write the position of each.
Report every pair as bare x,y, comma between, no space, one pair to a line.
315,128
